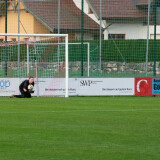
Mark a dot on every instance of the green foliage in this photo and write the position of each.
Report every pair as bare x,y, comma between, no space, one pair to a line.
128,50
112,50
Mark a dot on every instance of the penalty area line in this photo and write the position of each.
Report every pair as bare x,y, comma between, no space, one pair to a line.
76,111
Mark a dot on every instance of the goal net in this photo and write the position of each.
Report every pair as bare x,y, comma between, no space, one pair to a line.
44,56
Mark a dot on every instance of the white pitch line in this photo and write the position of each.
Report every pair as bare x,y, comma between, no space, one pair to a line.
110,110
76,111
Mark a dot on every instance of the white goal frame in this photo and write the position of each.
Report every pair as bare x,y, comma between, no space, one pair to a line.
48,35
88,55
85,43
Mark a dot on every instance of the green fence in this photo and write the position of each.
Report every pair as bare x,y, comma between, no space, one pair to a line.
123,36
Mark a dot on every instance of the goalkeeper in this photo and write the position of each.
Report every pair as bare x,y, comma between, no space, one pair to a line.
24,89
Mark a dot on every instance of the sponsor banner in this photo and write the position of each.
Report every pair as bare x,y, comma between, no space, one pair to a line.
147,86
143,86
77,86
9,86
105,86
86,86
54,87
156,86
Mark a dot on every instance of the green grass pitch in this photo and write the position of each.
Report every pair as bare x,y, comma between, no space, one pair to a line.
80,128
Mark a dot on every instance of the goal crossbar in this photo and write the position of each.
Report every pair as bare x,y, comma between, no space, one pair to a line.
34,35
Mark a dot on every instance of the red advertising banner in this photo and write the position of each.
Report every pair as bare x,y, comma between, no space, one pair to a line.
143,86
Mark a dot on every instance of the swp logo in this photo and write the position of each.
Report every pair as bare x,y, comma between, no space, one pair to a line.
4,84
86,82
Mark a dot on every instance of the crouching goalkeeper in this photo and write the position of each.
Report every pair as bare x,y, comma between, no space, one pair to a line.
25,88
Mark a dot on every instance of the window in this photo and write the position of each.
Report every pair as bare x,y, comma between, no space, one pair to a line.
158,3
26,39
152,36
97,36
13,39
116,36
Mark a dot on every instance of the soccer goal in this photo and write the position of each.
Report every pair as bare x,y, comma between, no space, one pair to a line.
72,46
44,56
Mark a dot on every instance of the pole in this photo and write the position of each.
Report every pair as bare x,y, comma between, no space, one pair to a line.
59,9
66,65
18,38
88,50
147,37
155,32
35,57
27,59
100,45
82,28
6,37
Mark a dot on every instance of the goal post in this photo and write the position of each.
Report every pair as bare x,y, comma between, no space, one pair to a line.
44,63
88,54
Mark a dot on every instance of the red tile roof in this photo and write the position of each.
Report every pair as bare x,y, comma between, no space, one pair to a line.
70,19
143,2
119,9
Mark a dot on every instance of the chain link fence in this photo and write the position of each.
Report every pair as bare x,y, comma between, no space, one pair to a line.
107,38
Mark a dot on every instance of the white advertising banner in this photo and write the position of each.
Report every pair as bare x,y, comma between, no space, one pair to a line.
77,86
105,86
9,86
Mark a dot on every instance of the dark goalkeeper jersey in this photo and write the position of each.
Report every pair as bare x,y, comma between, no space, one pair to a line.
25,84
